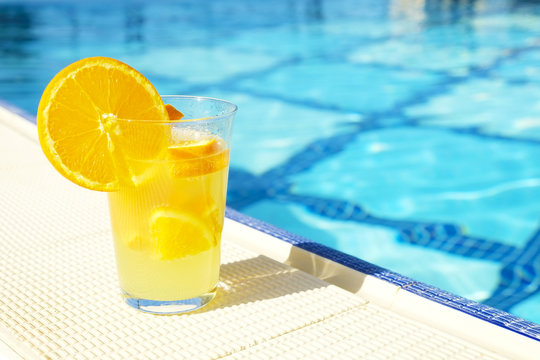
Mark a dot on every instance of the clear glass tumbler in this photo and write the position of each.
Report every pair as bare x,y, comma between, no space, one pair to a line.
168,214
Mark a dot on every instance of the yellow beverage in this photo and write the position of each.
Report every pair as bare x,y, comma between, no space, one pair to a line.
167,227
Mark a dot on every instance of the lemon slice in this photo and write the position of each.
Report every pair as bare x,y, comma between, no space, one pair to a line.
178,234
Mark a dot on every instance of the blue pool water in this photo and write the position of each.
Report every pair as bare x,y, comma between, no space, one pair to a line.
406,133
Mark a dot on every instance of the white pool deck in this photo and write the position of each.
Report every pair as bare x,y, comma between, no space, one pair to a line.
59,297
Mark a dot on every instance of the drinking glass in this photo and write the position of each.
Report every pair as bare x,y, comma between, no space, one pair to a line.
168,213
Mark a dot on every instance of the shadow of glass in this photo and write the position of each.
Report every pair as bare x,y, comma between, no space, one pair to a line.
258,279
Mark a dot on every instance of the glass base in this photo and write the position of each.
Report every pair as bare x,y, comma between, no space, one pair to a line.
169,307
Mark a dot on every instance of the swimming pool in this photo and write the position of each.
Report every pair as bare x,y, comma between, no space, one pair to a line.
406,133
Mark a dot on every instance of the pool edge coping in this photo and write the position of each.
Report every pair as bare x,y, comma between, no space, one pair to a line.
480,311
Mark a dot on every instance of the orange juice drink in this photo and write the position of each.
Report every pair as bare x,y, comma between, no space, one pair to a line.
167,229
167,219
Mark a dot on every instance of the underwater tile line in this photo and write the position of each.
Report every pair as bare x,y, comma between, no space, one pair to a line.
444,237
519,276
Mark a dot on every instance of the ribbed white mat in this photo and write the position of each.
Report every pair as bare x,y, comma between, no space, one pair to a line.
59,297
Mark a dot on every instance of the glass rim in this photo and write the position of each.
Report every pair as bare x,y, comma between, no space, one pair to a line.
229,113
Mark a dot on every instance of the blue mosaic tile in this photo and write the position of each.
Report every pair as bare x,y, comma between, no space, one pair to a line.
478,310
437,236
17,110
520,276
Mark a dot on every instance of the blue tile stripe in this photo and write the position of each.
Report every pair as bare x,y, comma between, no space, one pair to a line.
478,310
16,110
444,237
520,276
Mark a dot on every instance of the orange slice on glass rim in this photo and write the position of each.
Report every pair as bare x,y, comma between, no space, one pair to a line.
79,127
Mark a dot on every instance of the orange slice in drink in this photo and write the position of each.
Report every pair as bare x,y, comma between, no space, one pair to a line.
177,234
174,114
190,149
198,157
79,128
